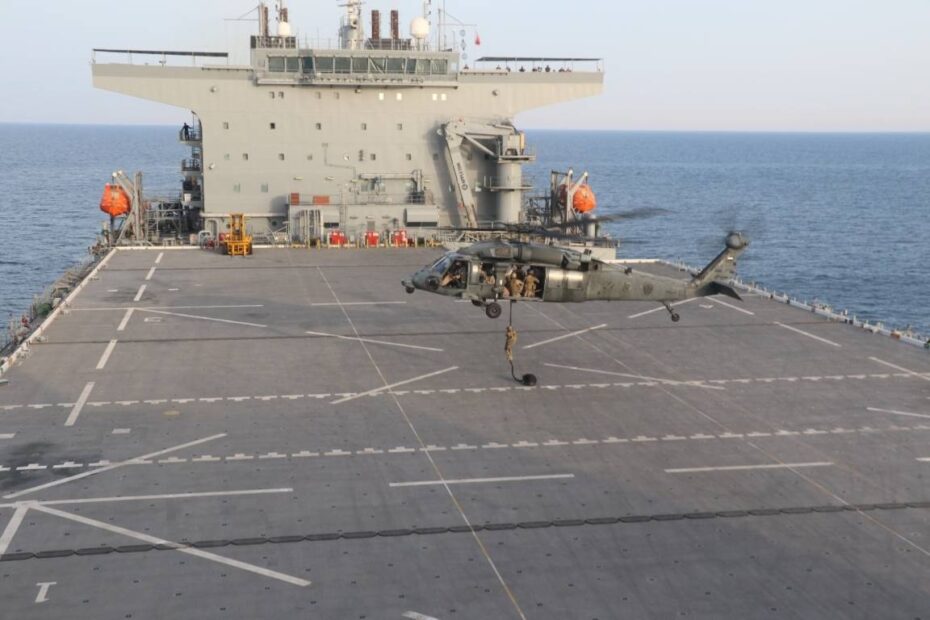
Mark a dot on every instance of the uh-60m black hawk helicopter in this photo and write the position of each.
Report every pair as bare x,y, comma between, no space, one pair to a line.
483,273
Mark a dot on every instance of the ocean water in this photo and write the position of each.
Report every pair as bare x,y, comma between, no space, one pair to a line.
841,219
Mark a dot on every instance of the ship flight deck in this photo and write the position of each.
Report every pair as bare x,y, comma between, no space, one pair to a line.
291,435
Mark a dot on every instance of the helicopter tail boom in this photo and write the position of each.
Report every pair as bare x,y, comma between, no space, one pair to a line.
722,269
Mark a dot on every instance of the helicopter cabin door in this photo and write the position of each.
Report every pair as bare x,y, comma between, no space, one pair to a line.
564,285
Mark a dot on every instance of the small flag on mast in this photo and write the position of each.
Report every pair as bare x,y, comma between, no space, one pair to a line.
477,38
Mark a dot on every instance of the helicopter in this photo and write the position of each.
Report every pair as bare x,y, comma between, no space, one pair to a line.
481,272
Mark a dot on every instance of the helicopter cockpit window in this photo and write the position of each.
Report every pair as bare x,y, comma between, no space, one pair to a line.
441,265
456,275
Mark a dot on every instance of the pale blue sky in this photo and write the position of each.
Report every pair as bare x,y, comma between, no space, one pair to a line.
780,65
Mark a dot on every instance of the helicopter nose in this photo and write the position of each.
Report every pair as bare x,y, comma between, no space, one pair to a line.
416,281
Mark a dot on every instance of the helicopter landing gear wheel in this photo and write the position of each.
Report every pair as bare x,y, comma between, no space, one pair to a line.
410,290
493,310
675,317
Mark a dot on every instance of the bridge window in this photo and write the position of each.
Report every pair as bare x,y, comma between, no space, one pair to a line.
307,64
293,64
276,64
324,64
378,65
413,65
360,65
396,65
440,67
343,65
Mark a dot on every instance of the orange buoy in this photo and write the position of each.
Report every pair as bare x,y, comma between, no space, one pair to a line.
583,201
115,201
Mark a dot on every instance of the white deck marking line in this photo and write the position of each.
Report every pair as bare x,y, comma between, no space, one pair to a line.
521,445
151,273
695,383
7,435
394,385
11,528
201,318
166,308
804,333
429,457
905,413
924,460
412,615
678,303
360,303
112,466
901,368
424,483
125,321
691,470
384,342
106,355
564,336
730,306
158,258
152,540
81,401
43,586
138,296
144,498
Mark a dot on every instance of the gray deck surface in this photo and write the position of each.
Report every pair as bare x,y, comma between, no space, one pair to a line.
249,443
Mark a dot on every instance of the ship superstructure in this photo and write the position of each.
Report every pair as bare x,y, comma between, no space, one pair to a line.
371,134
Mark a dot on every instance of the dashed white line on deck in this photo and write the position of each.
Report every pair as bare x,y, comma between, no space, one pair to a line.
522,445
151,273
125,321
693,470
7,435
111,466
79,405
138,296
809,335
158,258
423,483
106,355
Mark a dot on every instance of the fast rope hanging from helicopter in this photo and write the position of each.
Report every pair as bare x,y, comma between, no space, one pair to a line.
511,340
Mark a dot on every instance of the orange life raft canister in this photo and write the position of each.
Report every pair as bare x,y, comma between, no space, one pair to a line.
583,201
115,201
